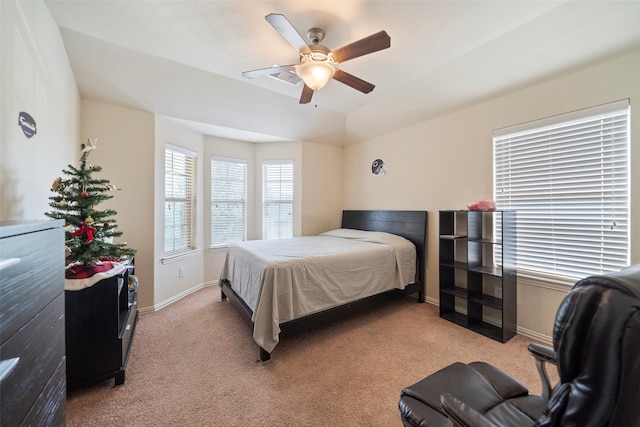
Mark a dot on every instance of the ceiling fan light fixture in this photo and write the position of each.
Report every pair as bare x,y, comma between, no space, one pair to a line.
315,74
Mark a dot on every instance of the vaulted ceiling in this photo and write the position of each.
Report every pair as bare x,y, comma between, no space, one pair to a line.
184,59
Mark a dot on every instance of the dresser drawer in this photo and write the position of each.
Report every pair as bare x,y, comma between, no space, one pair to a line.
32,275
39,347
50,407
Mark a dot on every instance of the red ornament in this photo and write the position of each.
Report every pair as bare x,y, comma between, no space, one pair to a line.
84,194
105,226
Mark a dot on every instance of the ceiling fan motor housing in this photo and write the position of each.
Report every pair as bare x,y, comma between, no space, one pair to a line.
315,35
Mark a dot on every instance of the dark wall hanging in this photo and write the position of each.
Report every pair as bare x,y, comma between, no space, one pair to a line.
377,167
27,123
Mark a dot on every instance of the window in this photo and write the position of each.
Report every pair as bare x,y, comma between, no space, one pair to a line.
179,199
228,200
568,179
277,199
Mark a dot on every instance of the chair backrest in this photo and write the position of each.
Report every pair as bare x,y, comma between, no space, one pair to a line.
597,340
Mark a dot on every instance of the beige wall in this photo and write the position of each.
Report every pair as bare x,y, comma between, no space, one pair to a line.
169,286
36,78
446,162
125,152
322,183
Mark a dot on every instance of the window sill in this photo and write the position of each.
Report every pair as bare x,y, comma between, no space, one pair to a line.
556,283
179,256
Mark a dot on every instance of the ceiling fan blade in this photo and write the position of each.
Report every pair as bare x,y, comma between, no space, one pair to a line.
286,30
268,71
307,94
373,43
353,81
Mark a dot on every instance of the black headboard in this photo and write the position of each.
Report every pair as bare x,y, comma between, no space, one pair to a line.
412,225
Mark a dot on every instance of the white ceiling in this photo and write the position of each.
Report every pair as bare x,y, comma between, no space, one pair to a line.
184,59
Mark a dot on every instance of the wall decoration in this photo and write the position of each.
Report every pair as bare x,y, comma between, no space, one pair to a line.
377,167
27,123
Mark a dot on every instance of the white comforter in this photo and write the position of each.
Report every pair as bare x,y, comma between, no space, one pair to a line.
281,280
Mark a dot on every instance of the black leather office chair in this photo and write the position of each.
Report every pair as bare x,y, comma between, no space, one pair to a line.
596,350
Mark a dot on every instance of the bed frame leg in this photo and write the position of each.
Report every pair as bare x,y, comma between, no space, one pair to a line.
264,355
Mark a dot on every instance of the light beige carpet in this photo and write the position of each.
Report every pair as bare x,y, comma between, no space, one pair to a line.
194,363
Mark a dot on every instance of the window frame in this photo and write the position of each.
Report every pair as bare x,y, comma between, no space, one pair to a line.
280,201
244,200
557,131
188,228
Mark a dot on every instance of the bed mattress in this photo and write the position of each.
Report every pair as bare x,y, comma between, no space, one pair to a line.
281,280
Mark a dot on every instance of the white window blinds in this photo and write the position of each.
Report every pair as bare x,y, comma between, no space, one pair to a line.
228,200
568,179
277,196
179,199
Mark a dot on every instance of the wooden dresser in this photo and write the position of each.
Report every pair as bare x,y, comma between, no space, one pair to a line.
32,324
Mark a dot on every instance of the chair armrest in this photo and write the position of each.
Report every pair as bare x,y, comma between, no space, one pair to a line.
543,354
462,415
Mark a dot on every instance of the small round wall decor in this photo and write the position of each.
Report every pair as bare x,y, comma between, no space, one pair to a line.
27,123
377,167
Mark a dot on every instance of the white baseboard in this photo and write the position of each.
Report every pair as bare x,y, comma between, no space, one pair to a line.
432,301
176,297
545,339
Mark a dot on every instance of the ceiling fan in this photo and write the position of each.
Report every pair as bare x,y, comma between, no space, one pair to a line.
317,62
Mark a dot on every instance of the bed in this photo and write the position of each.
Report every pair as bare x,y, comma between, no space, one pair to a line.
291,285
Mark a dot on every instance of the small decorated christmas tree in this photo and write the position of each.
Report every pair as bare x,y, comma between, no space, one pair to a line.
89,231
